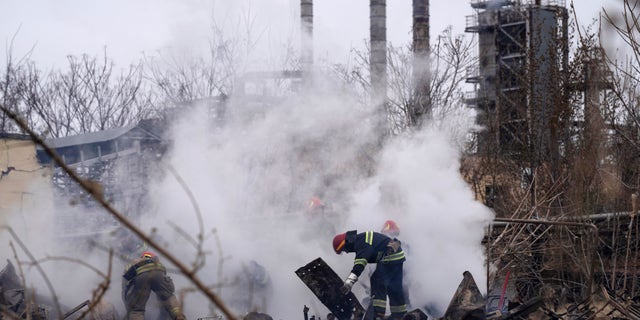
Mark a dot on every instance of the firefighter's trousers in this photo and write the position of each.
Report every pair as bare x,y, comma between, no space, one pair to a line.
138,290
386,280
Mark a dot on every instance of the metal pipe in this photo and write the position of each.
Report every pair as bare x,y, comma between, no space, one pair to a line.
634,281
595,217
545,222
74,310
614,238
634,199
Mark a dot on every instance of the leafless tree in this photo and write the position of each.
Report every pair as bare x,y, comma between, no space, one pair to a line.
11,87
88,96
180,79
450,57
623,106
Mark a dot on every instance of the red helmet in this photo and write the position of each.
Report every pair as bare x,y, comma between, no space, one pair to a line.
148,255
390,228
338,242
315,203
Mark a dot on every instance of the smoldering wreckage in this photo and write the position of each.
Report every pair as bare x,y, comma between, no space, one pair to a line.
467,302
18,302
567,268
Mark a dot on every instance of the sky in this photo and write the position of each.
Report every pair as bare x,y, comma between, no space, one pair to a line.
127,30
245,176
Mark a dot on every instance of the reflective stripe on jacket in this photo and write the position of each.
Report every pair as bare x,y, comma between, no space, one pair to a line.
142,265
372,247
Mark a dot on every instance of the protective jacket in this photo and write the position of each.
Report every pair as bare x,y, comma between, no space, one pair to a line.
372,247
142,276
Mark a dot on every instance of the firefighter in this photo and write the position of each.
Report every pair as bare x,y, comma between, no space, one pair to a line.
321,218
252,290
316,206
386,280
390,228
143,275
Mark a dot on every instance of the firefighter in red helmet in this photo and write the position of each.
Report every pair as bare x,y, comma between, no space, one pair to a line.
386,280
320,217
390,228
143,275
315,205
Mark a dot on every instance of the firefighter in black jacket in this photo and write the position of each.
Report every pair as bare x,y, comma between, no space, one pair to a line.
142,276
387,254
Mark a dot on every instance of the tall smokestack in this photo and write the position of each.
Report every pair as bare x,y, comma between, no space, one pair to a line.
306,47
421,27
378,55
421,107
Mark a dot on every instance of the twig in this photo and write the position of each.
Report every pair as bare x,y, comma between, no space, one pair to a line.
198,213
101,290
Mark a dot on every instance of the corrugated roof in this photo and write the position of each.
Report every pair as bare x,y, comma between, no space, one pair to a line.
14,136
86,138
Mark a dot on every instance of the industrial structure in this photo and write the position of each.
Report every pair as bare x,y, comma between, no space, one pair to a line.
421,106
535,107
119,160
522,52
551,238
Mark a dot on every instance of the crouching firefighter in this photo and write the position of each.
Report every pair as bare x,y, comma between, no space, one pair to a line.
386,280
143,275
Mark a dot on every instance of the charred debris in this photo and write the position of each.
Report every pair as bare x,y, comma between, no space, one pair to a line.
580,268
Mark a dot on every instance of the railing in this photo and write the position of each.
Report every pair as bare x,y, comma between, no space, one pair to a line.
491,3
559,3
474,96
479,96
475,22
499,3
470,96
473,72
471,23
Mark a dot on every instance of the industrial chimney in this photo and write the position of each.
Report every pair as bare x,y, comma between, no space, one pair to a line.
306,47
421,107
378,54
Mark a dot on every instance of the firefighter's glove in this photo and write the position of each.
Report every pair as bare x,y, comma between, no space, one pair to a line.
348,284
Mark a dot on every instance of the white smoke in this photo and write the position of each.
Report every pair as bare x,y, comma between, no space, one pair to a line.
419,186
252,181
252,178
49,242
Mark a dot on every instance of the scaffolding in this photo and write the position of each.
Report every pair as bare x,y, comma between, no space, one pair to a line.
521,43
